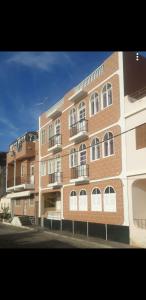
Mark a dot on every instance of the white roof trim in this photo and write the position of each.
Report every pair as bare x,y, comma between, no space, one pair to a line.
18,195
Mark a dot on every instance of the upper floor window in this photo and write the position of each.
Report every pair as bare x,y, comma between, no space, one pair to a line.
95,149
108,144
57,126
82,111
94,102
73,158
43,136
43,168
51,130
107,95
72,117
82,150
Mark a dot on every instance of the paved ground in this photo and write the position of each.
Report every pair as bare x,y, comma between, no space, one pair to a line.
14,237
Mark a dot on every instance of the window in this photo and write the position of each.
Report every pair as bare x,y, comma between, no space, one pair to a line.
51,130
94,102
82,111
22,170
108,144
17,202
109,199
50,166
57,126
43,168
96,203
107,95
43,136
72,117
82,151
73,201
95,149
140,132
73,158
83,205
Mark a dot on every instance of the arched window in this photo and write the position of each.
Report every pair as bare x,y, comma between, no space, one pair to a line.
81,111
72,117
73,201
108,144
107,95
94,102
83,204
95,149
73,158
110,199
96,203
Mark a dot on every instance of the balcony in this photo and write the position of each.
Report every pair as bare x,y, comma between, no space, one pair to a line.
80,174
80,94
55,143
55,180
25,150
21,183
79,131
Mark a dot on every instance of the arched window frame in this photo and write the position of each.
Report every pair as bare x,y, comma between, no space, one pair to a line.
108,144
96,149
94,104
107,95
96,201
109,199
73,157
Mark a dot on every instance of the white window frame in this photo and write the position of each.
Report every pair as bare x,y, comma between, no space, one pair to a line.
75,158
114,199
43,168
43,136
73,206
100,200
94,101
73,113
96,147
81,199
106,92
108,140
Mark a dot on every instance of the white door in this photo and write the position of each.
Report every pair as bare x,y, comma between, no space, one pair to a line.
32,174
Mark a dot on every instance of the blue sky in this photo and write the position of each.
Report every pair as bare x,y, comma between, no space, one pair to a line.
31,82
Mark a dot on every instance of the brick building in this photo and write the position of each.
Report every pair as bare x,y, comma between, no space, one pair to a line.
22,174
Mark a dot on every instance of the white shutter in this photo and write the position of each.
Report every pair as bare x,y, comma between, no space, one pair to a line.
110,202
73,203
96,204
83,202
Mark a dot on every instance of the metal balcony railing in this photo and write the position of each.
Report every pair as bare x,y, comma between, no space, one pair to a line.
55,140
79,126
55,177
80,171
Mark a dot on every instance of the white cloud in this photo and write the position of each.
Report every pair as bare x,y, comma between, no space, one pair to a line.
8,124
40,60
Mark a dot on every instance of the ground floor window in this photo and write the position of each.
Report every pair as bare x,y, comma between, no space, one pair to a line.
73,201
109,199
83,205
96,201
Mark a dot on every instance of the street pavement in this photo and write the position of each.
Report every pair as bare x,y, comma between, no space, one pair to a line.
16,237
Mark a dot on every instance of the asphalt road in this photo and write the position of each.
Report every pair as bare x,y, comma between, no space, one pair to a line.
15,237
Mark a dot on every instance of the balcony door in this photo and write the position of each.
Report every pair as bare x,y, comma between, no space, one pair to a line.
57,132
32,174
58,169
82,162
81,117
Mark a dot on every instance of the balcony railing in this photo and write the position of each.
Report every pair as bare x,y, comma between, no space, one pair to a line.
79,126
55,140
20,180
80,171
55,178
